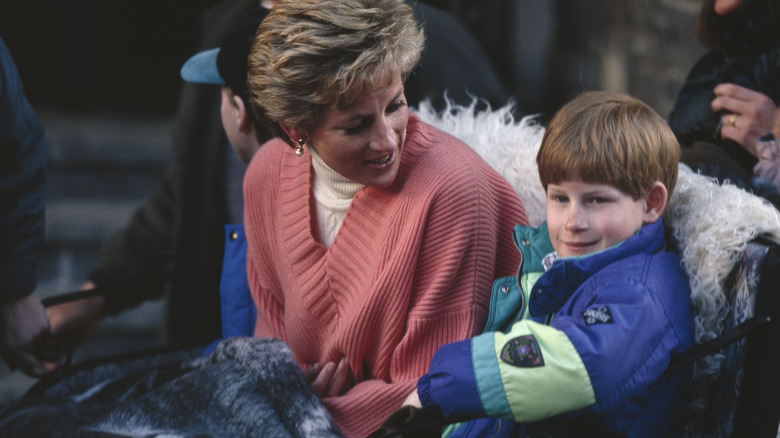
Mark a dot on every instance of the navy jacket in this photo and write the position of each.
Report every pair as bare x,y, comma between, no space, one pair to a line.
22,173
588,355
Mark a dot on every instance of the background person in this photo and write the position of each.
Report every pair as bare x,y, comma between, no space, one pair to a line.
372,236
730,97
22,174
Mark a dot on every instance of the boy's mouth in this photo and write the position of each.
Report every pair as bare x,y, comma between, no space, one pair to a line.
580,246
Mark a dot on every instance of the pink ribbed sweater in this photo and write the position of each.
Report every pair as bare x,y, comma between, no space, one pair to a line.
410,269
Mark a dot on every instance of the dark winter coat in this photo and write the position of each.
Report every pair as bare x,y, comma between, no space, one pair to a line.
749,56
22,174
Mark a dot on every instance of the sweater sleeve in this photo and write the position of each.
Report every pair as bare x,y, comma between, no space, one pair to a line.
466,243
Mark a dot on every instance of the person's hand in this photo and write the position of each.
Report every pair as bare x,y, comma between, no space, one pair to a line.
413,400
747,115
74,321
330,380
776,127
22,323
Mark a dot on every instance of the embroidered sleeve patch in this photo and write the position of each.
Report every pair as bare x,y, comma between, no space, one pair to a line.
523,352
597,315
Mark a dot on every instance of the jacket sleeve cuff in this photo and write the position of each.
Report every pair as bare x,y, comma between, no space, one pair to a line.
450,386
424,393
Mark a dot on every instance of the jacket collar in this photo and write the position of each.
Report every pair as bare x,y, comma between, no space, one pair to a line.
534,244
566,275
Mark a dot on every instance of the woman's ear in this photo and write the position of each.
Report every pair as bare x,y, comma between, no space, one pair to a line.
294,134
655,202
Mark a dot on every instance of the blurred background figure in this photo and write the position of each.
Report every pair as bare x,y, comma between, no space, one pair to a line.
729,99
22,174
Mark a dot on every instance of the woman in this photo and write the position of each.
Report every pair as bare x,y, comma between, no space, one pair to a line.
729,100
373,238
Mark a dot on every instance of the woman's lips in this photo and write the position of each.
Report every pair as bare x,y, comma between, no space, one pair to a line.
382,162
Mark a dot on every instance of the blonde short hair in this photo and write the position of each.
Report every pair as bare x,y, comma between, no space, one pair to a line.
311,55
609,138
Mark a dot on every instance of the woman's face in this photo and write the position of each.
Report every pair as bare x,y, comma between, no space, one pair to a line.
723,7
363,141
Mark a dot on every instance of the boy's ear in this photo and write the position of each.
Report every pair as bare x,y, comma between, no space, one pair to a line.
244,124
655,202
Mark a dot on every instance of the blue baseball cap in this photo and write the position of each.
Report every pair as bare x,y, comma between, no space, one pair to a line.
227,64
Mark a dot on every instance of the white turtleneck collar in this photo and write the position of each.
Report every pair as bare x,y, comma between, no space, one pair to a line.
333,194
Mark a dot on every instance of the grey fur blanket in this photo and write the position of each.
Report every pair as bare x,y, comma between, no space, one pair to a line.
246,387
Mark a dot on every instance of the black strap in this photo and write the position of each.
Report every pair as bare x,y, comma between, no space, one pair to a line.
74,296
714,345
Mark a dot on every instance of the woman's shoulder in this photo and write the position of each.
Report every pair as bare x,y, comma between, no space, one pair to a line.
447,169
274,158
271,151
275,146
439,151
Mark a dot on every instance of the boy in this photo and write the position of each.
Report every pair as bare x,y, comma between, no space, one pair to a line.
599,306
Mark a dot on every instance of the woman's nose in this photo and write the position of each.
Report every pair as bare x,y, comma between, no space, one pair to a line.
384,136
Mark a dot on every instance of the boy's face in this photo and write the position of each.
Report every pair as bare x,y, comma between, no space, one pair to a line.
583,218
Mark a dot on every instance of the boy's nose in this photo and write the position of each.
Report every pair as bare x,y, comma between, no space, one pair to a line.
576,221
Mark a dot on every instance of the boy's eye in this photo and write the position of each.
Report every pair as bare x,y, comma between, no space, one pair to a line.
597,200
560,198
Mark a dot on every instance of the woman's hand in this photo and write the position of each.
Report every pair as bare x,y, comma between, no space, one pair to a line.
330,380
748,114
413,400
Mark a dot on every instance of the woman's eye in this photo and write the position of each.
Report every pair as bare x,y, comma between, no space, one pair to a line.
396,106
357,128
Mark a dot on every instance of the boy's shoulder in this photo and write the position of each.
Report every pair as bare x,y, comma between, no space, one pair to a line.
645,254
659,274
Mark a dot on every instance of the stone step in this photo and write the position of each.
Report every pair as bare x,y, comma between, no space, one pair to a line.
86,139
72,222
